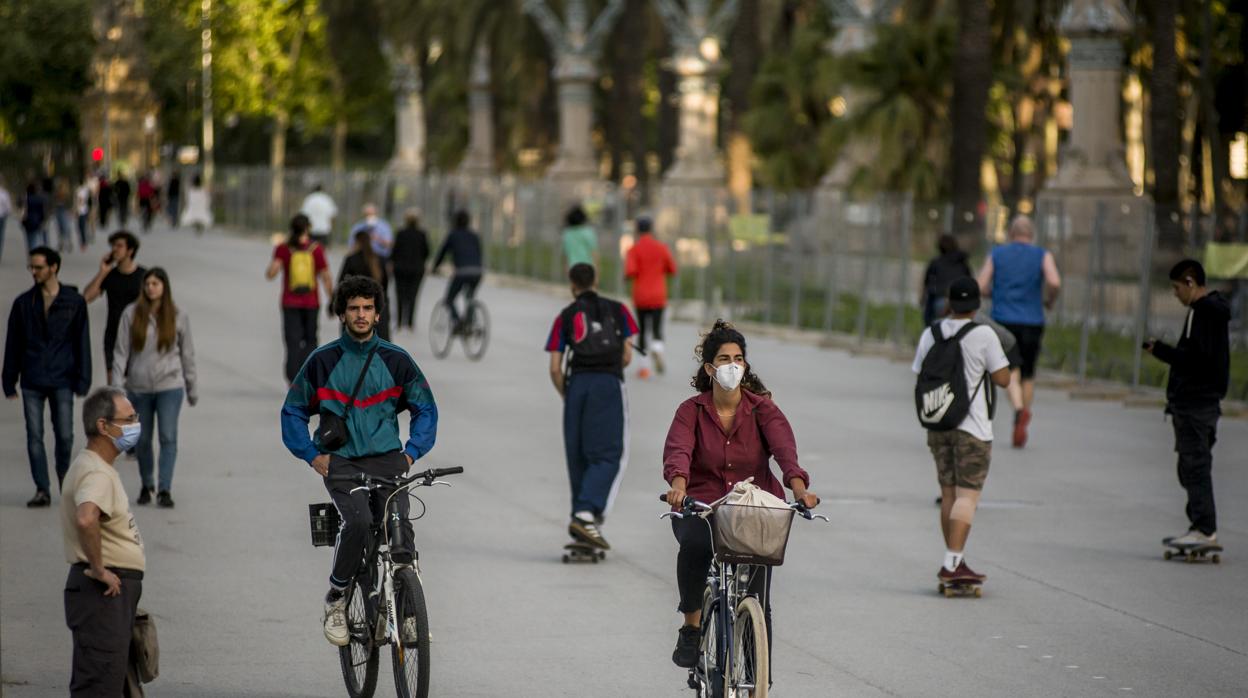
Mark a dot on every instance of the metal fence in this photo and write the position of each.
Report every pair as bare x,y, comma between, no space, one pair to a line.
810,260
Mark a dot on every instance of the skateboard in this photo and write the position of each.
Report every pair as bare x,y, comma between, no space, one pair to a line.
961,586
576,551
1194,553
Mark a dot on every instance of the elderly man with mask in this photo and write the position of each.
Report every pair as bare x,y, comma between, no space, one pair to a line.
379,231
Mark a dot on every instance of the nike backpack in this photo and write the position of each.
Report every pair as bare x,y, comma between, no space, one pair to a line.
940,394
594,334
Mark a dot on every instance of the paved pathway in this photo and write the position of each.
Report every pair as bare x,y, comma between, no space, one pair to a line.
1078,601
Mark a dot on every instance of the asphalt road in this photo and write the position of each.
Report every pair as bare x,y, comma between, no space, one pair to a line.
1078,600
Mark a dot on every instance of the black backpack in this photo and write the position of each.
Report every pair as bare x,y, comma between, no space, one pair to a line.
602,346
940,395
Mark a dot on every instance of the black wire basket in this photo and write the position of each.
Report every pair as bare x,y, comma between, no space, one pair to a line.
325,522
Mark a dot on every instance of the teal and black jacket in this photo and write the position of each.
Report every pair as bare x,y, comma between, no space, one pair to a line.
394,383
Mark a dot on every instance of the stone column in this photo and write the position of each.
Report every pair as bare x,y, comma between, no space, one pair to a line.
576,46
409,111
696,33
479,161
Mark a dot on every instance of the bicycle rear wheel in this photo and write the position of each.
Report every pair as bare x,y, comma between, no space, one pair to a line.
750,665
359,657
410,659
710,663
440,330
477,335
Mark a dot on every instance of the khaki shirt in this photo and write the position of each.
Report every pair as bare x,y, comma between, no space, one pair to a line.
91,479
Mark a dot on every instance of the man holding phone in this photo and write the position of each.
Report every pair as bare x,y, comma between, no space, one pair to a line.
121,279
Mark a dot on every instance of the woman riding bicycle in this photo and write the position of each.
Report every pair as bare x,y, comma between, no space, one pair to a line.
725,434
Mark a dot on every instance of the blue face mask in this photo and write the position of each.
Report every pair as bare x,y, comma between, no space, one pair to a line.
129,436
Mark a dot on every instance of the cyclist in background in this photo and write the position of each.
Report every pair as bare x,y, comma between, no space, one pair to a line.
726,433
464,247
391,383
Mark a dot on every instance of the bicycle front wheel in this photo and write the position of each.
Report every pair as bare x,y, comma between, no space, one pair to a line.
359,656
710,671
410,651
750,656
477,335
440,331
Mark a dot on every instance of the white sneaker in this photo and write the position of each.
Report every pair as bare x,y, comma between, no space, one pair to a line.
336,622
1193,539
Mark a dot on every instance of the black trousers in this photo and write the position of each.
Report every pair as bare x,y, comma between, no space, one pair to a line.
1195,433
462,283
101,627
406,289
360,509
649,323
299,333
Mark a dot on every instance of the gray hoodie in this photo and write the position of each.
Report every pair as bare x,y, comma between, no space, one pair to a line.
152,370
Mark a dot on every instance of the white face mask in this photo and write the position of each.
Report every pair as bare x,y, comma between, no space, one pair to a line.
729,376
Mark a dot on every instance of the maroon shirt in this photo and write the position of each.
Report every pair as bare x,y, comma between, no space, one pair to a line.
713,460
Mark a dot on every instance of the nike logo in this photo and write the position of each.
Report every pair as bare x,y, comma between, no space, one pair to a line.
936,403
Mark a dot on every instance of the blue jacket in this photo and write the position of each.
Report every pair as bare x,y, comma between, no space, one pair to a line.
393,384
51,351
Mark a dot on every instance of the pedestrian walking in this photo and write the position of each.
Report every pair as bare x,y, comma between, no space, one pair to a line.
104,199
588,354
580,240
6,209
1199,376
47,349
726,434
147,201
463,246
302,264
121,192
1022,280
949,264
62,200
34,217
173,198
155,363
648,265
198,213
379,230
103,548
384,381
958,362
407,266
363,261
120,279
82,211
321,210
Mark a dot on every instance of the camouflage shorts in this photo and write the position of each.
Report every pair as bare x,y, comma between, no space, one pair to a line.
961,459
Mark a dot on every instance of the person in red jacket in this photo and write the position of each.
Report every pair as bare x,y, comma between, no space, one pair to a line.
648,264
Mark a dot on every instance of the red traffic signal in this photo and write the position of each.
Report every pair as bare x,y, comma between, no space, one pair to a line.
97,154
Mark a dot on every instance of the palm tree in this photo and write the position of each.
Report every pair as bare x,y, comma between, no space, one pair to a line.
1164,122
972,76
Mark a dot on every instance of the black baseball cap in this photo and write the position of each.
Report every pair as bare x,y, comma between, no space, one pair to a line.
964,295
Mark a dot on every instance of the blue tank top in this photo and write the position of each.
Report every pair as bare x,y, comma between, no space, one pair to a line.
1018,284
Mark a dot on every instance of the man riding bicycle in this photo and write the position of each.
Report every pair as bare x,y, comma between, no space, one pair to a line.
359,384
464,246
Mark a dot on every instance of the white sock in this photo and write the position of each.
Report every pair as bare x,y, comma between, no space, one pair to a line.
585,516
952,560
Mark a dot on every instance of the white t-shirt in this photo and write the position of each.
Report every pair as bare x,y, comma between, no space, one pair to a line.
320,210
981,352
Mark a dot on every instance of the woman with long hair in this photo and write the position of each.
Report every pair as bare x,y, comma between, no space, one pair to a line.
363,261
726,434
155,363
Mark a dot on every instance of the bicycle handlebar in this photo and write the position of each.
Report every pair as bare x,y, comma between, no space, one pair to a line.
367,480
692,506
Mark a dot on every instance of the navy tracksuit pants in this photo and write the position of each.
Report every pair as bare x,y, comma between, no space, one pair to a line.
594,426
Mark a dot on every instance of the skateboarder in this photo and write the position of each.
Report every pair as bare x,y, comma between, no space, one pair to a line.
958,363
1199,374
592,332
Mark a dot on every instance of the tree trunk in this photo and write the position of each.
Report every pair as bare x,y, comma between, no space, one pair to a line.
338,152
745,55
972,73
281,121
1164,124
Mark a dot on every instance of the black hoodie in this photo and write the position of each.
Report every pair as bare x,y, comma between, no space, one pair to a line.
1200,365
944,270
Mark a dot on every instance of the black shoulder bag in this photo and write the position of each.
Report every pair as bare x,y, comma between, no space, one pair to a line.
332,430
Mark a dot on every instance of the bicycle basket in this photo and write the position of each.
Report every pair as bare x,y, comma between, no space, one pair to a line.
325,522
751,535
